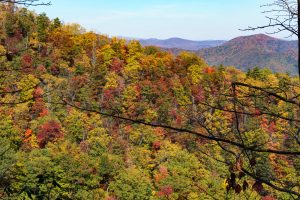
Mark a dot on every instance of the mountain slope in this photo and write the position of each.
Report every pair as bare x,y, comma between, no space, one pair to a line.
181,43
256,50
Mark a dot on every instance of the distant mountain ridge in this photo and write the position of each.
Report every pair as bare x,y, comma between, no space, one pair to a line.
244,52
179,43
259,50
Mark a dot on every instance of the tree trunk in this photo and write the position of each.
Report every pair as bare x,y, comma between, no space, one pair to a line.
298,38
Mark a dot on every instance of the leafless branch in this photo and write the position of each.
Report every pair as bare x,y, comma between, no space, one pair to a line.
27,2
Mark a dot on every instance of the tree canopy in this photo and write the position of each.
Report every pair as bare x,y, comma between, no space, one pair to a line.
86,116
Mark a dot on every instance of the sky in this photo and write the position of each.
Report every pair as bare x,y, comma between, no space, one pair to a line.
162,19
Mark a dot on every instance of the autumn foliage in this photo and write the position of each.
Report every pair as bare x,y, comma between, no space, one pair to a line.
49,132
86,116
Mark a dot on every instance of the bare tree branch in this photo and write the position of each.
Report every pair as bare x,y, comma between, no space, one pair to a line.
27,2
281,189
182,130
284,17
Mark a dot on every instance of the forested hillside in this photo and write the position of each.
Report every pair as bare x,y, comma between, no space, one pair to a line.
244,53
255,51
85,116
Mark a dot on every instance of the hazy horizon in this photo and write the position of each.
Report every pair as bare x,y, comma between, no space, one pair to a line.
244,35
190,19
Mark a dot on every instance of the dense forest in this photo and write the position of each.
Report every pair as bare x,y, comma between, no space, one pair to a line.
85,116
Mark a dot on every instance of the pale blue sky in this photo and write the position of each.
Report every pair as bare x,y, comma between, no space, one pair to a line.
189,19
